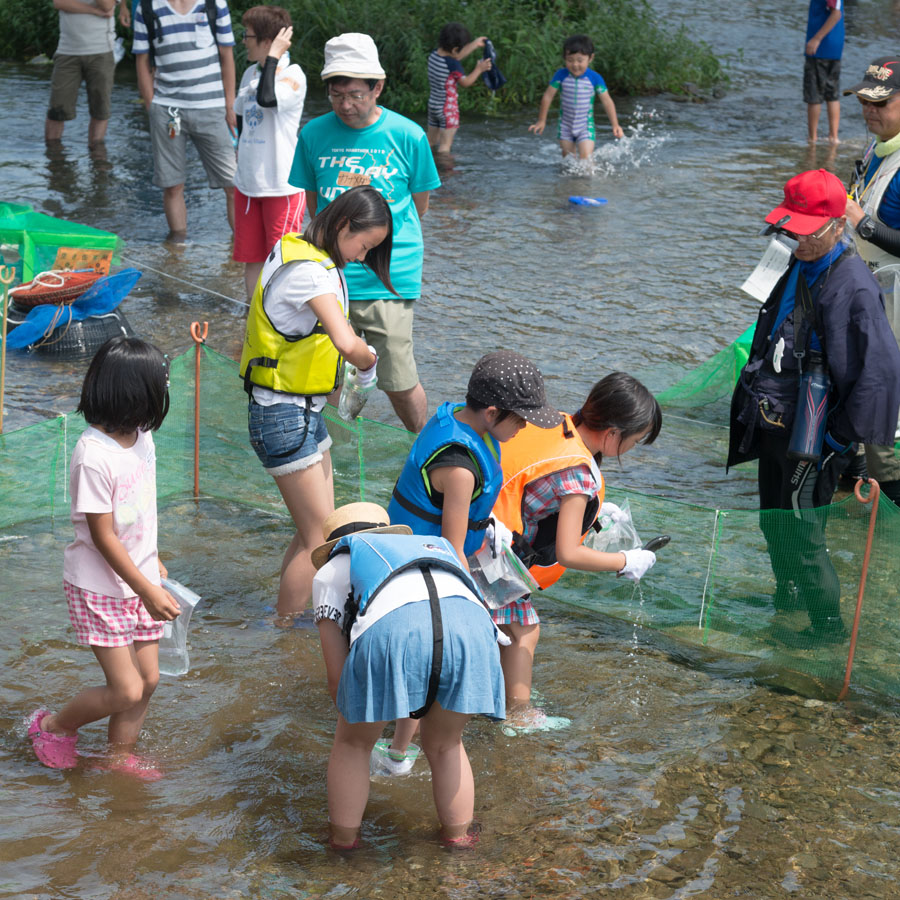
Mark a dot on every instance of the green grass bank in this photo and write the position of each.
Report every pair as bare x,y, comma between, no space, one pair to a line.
635,52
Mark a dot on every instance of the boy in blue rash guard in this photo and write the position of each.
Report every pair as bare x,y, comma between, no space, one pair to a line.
577,84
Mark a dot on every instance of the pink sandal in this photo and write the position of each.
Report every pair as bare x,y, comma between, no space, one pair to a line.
56,751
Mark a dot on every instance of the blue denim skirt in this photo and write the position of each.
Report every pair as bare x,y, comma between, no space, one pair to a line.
386,673
287,437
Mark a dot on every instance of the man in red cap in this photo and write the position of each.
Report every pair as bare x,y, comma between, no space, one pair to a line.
825,317
874,213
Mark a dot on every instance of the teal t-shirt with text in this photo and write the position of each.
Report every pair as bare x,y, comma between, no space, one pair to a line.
393,156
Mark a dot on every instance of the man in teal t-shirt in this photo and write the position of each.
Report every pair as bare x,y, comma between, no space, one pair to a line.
363,143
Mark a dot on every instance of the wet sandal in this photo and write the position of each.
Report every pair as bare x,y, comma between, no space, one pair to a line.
56,751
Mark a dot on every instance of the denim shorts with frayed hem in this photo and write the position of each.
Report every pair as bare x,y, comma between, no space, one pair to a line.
287,437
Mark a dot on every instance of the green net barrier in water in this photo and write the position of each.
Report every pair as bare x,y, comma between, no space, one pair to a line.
29,240
711,589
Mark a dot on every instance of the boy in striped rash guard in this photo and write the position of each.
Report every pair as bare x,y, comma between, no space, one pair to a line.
577,85
445,73
189,91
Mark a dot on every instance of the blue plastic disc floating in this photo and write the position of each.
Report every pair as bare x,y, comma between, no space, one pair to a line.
588,201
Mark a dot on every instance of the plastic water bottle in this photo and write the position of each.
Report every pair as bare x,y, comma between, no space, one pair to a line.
353,395
808,432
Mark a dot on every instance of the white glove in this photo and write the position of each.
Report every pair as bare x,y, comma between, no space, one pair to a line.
613,512
366,377
498,536
637,563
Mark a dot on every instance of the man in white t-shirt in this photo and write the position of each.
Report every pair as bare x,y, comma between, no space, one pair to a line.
185,67
84,53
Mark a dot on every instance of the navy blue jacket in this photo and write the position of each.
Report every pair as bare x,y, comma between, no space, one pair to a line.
862,356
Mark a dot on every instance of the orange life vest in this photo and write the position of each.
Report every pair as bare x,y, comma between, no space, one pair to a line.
533,453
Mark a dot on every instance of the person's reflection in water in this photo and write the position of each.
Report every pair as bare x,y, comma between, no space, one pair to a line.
62,176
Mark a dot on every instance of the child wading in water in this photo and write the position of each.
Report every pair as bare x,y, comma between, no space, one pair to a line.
452,475
413,639
111,572
551,495
577,84
445,73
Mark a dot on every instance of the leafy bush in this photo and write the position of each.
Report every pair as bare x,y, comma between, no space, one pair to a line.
634,53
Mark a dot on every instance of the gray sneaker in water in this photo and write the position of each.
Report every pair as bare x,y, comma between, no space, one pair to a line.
527,721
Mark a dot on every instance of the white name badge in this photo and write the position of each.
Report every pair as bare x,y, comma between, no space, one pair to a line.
769,269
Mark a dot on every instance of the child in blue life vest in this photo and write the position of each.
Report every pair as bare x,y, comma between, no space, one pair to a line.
577,85
452,475
552,494
445,74
404,632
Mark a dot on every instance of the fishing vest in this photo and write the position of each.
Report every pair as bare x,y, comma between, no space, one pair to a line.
412,504
869,198
768,383
532,454
376,558
305,364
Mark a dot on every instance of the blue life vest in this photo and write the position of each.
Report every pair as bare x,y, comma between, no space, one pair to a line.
377,558
411,503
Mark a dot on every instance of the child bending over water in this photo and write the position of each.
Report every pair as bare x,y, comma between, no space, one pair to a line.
551,496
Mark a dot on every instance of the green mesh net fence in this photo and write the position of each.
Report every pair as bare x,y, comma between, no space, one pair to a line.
711,590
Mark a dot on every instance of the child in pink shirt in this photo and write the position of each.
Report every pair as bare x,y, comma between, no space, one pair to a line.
111,572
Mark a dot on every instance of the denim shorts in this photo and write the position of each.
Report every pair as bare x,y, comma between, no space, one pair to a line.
287,437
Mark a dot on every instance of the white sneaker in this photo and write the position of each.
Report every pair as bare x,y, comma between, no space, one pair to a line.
531,719
385,761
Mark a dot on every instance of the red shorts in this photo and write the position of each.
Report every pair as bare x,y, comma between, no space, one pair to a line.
260,222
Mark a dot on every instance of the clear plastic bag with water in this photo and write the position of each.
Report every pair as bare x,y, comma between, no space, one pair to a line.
614,537
173,652
353,396
501,579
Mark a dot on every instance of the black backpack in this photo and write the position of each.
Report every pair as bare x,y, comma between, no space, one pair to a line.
151,21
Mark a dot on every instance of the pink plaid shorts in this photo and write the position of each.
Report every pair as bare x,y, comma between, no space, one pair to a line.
102,621
520,612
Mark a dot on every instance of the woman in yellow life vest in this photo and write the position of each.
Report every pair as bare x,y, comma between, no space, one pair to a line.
551,495
297,337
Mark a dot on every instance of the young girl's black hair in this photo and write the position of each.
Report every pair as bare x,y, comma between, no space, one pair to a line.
126,387
621,402
454,36
360,208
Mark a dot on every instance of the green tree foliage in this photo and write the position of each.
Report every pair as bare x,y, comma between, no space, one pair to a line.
635,53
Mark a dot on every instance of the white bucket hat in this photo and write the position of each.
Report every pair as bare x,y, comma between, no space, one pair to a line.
352,55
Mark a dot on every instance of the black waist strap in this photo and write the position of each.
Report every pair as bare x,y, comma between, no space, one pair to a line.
265,361
437,652
433,518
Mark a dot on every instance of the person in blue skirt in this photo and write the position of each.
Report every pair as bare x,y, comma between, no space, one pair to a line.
404,632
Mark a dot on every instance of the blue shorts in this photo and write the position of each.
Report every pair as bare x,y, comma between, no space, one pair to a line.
386,674
287,437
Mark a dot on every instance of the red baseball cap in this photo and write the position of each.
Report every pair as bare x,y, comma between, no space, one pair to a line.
810,200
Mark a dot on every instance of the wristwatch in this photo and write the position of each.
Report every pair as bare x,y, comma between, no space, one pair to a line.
865,227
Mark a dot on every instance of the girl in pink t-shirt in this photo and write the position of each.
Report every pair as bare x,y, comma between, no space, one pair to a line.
111,572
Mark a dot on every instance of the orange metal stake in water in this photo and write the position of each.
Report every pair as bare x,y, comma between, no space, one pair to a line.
874,491
199,338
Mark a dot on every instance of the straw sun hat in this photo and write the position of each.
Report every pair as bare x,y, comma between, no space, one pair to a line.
353,518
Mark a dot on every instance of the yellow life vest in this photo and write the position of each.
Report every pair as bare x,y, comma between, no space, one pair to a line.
305,364
531,454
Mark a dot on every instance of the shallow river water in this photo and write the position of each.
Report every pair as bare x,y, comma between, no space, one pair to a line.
676,779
